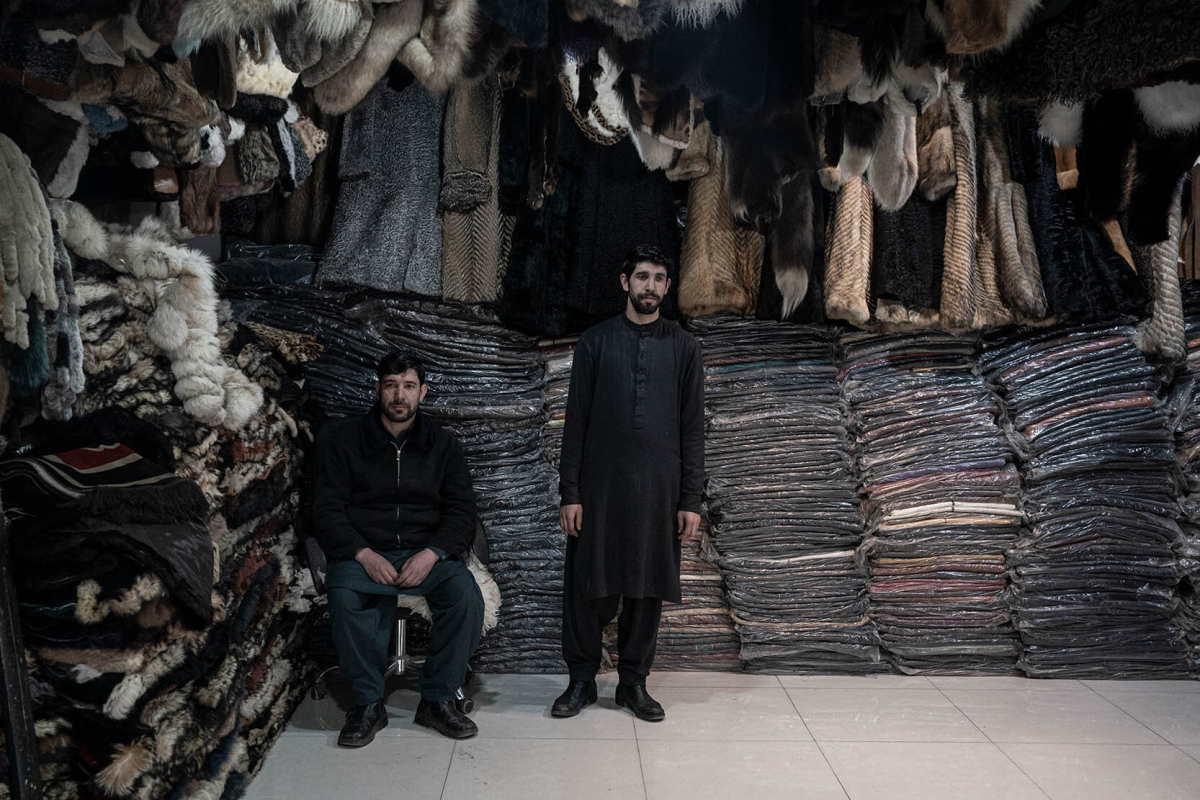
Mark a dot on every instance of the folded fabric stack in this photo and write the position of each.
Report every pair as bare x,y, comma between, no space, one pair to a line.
1094,578
699,632
558,359
939,499
1185,402
781,495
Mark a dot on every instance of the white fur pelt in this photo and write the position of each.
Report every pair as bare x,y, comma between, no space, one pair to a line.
26,242
1170,108
1062,123
487,586
331,20
439,53
271,78
205,20
893,169
393,27
702,13
184,323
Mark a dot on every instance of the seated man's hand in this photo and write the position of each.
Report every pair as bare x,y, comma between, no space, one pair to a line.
416,569
378,568
689,525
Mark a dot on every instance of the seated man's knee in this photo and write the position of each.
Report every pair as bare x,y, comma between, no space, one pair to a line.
343,599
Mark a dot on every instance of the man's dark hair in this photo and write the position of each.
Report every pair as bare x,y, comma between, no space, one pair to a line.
647,252
399,362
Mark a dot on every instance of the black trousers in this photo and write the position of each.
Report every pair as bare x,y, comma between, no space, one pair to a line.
583,631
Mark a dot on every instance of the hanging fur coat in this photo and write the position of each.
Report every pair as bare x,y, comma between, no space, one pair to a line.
1163,334
184,323
470,196
721,263
26,243
386,231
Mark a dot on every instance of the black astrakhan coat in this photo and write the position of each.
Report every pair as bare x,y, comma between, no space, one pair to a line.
632,455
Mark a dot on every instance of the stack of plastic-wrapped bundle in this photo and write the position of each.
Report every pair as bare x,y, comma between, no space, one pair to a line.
486,385
939,499
557,358
1185,397
1095,577
782,498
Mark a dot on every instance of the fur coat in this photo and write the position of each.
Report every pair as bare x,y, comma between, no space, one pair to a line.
721,264
469,199
184,323
386,231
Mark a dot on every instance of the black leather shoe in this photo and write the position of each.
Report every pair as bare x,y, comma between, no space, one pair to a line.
572,701
640,703
445,719
362,723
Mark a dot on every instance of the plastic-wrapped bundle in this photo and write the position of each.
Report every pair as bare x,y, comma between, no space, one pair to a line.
1095,574
781,495
939,500
1185,416
558,357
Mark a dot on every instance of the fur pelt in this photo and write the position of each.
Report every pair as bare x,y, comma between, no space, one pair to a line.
761,158
63,180
53,133
330,20
959,307
1062,122
26,243
487,586
839,61
333,56
629,21
862,125
205,20
970,27
893,169
848,254
935,151
1164,333
1088,49
272,79
791,240
721,263
394,26
184,323
455,43
702,13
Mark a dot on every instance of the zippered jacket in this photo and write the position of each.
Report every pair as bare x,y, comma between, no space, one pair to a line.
370,492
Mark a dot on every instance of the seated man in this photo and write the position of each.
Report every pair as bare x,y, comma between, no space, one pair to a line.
395,513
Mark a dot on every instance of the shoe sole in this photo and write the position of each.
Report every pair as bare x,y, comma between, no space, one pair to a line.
369,738
561,715
429,723
643,717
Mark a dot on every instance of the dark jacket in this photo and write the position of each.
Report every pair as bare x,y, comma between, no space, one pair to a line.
370,493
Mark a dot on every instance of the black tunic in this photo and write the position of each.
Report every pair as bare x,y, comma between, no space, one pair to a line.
632,455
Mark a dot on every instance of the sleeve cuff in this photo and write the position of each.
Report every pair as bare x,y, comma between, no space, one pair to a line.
439,552
690,502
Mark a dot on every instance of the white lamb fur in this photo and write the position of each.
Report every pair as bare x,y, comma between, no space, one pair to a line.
1172,107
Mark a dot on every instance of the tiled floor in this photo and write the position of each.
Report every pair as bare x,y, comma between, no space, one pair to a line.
762,737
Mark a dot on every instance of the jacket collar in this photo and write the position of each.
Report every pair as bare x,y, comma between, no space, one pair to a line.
376,437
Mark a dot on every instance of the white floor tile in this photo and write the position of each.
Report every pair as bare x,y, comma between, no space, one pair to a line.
1179,687
315,767
854,682
1050,716
710,680
721,770
725,714
1172,715
1108,772
518,707
883,715
984,682
513,769
928,771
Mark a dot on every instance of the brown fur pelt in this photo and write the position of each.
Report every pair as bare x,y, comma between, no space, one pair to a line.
958,306
454,42
848,254
935,151
394,26
970,27
721,263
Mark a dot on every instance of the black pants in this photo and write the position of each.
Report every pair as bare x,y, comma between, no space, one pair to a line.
583,631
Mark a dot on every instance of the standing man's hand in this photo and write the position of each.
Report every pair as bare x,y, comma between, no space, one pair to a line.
378,568
689,526
416,569
570,519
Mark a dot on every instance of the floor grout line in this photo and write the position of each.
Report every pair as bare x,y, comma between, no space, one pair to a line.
446,780
1131,716
995,744
637,743
820,749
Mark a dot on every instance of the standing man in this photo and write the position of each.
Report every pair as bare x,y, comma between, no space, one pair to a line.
395,513
631,476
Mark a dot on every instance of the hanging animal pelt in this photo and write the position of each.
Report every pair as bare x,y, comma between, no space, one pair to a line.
1159,124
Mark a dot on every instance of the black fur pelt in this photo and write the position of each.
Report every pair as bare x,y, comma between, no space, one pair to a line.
1102,155
1161,163
106,426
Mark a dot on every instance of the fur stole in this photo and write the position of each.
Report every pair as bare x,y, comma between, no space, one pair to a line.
26,243
487,586
394,26
184,323
721,263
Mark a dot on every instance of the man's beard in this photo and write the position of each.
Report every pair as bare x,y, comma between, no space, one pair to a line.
645,305
399,415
